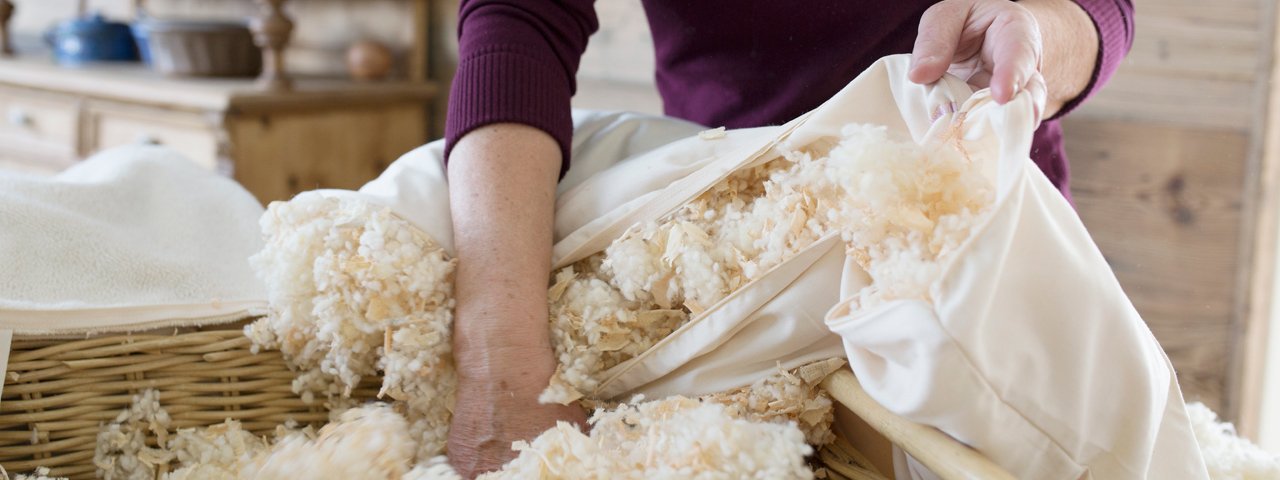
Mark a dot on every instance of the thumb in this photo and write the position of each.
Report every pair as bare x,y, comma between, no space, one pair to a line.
935,47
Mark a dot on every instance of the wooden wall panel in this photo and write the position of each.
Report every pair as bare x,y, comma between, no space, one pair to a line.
1167,161
1163,203
1192,63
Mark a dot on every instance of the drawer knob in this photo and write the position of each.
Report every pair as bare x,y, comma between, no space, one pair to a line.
18,117
146,139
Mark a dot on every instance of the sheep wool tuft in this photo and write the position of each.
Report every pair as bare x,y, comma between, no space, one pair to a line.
760,429
372,441
674,438
40,473
122,452
1227,456
436,468
212,453
355,291
788,396
900,207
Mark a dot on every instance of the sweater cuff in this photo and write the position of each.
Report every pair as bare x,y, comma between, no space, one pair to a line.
1114,23
503,84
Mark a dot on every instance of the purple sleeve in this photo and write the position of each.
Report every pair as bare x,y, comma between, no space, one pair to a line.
1114,22
516,63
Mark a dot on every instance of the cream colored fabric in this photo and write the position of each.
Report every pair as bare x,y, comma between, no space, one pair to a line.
1030,351
132,237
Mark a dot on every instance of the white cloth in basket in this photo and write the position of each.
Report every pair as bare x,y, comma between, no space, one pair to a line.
131,238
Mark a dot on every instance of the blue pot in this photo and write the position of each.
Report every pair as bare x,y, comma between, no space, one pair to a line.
91,39
140,32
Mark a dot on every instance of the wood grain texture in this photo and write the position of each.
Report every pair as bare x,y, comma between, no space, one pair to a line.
281,155
1258,309
1163,203
1191,64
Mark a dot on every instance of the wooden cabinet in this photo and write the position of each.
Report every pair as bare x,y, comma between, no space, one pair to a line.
195,135
37,128
321,133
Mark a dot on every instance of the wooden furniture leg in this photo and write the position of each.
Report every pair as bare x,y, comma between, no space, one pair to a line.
271,31
6,43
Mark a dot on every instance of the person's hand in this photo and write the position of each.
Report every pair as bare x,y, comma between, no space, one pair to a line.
495,409
989,43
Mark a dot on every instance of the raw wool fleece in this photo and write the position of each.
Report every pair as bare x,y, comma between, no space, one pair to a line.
674,438
1228,456
41,473
122,452
344,295
372,441
788,398
355,291
900,207
213,452
747,433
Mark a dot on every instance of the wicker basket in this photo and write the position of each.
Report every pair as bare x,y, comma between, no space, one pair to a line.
199,48
58,391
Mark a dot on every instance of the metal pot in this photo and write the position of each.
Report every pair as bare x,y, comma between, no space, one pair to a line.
91,39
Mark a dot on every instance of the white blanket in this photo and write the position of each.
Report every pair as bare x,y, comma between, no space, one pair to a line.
134,237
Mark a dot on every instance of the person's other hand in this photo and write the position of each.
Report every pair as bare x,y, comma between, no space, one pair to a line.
989,43
494,409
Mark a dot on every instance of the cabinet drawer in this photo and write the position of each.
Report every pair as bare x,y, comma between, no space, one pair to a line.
192,134
38,125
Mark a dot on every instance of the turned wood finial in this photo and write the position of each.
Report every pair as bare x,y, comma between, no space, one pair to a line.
271,31
6,12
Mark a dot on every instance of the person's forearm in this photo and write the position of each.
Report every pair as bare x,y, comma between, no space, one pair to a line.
502,181
1070,44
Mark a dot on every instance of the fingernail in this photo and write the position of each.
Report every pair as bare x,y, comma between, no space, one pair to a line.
917,61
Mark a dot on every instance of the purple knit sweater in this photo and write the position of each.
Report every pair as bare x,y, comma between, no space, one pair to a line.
736,63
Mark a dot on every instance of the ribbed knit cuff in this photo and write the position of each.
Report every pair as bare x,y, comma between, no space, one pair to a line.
1113,20
504,84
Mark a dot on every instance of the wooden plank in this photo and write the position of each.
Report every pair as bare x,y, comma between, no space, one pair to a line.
1177,48
1246,14
1145,95
1163,203
1257,310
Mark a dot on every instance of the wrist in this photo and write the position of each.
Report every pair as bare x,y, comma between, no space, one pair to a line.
500,329
521,368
